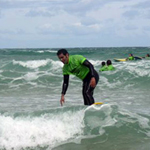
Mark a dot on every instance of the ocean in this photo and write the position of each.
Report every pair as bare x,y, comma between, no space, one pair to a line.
31,117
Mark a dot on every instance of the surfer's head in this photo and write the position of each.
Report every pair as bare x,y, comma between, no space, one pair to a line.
63,55
103,63
109,62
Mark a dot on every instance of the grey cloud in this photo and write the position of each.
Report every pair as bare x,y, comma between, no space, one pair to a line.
146,28
12,32
131,14
6,32
8,4
15,4
79,7
130,27
141,10
45,13
83,7
148,14
142,5
37,7
72,29
88,21
0,14
84,29
68,5
49,29
72,18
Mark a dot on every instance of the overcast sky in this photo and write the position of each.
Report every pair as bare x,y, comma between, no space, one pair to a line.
74,23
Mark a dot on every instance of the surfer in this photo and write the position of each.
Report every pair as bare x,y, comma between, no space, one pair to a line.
103,66
109,65
147,55
83,69
131,57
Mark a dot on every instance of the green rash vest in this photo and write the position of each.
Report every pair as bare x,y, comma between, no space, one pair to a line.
131,58
110,67
76,67
107,68
103,68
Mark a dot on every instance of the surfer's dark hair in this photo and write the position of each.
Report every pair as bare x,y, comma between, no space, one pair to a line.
103,63
109,62
62,51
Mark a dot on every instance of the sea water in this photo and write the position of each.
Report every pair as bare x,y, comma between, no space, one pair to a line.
31,117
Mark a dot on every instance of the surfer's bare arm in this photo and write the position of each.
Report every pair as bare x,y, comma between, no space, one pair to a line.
64,88
62,100
90,66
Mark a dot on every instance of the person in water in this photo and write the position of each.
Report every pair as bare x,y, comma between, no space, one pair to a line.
147,55
83,69
103,66
131,57
109,65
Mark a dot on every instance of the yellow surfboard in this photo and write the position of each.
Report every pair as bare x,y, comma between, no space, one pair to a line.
98,103
118,60
95,106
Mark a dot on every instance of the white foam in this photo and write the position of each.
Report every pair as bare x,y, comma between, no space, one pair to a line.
95,62
98,121
133,117
137,68
43,51
106,82
32,64
35,64
56,65
46,130
31,76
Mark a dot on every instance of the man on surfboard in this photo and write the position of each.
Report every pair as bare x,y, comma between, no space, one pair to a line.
83,69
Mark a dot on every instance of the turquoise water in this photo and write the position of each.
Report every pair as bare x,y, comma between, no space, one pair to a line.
31,117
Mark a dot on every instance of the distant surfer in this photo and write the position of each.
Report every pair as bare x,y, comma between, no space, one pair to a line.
107,66
147,55
103,66
131,57
83,69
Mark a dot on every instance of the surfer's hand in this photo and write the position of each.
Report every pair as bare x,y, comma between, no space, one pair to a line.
93,82
62,100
